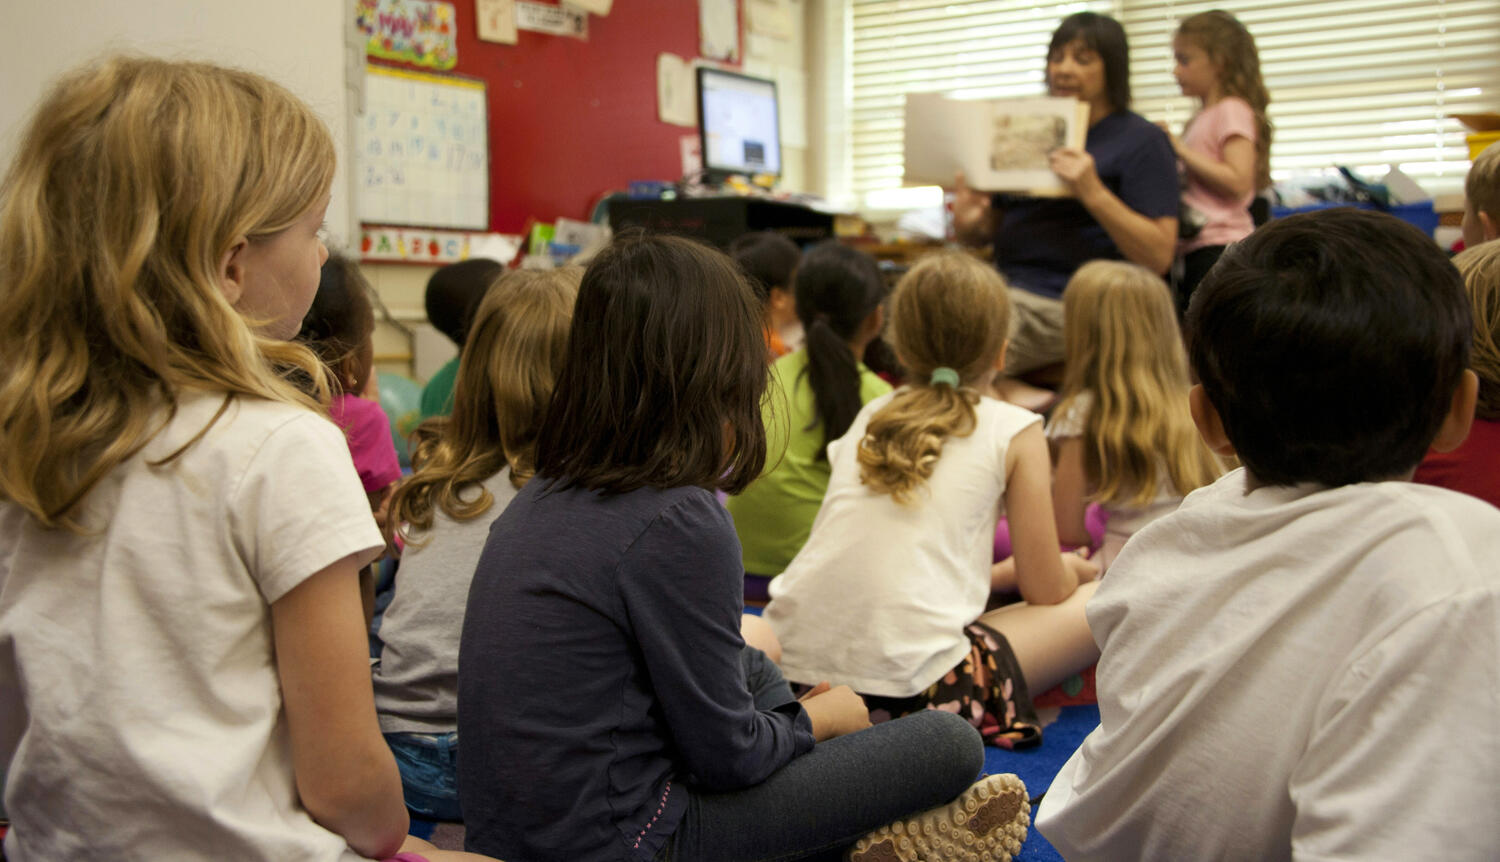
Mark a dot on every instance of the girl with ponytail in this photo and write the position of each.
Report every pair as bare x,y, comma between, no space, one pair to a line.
888,594
816,393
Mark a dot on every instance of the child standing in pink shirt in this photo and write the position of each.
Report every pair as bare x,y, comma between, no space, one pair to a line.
1225,150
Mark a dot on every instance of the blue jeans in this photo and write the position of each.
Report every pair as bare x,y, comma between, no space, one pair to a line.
429,773
819,804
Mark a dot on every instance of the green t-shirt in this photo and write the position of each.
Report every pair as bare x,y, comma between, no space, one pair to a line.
437,395
774,515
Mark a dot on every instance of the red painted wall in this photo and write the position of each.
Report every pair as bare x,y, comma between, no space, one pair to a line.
571,120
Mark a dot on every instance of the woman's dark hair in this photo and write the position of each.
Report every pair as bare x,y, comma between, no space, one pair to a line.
837,288
1104,36
1330,344
453,293
662,383
339,324
767,258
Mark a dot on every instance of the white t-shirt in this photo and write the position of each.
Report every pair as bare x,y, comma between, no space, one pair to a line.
879,596
140,707
1294,673
1124,521
416,680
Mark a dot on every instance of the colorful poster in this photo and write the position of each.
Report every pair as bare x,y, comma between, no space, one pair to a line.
420,32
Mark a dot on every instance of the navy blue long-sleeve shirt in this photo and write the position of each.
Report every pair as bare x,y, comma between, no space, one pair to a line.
600,675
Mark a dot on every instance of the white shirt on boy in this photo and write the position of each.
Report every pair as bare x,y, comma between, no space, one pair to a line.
1294,673
140,705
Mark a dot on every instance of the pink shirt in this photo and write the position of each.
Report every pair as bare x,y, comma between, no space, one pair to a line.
369,434
1207,132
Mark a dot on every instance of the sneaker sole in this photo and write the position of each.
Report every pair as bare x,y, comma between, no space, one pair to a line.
986,823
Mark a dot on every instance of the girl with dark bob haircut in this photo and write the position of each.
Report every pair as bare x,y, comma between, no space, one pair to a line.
608,706
660,387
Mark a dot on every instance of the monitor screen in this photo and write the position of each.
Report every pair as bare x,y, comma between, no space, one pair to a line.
738,123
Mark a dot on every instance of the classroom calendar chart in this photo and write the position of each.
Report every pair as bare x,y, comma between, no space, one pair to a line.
423,151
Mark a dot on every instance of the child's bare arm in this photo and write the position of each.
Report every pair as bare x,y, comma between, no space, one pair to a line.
1233,176
1041,575
346,775
1070,493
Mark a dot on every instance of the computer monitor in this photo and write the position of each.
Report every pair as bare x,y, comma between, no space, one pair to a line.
738,124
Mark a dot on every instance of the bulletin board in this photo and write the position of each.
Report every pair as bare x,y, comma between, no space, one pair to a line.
572,119
422,151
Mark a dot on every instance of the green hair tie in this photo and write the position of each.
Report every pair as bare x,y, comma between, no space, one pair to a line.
944,374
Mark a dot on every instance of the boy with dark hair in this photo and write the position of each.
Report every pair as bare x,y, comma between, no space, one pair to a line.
1301,662
770,259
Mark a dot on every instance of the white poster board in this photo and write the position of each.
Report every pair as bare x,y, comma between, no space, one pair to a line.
423,156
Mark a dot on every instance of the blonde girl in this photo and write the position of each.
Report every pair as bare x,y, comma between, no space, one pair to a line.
1121,434
179,613
468,467
1225,150
888,595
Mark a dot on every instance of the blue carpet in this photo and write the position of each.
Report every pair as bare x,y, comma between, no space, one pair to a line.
1038,766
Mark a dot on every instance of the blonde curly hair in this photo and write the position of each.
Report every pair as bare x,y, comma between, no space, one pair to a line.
949,311
132,182
509,365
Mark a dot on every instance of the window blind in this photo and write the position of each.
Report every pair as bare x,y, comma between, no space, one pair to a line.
1363,83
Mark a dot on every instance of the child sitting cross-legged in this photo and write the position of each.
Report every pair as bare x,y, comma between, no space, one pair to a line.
1300,662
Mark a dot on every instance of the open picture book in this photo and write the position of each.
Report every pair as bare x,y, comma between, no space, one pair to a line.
1001,145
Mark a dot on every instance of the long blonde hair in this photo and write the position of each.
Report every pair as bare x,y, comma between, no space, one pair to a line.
1231,49
509,365
948,311
1122,347
131,183
1480,267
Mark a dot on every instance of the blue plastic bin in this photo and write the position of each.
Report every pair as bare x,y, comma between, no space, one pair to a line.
1422,215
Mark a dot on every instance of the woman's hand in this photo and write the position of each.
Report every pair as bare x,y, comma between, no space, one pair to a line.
1076,168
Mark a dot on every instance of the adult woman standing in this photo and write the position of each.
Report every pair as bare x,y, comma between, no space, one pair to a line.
1124,193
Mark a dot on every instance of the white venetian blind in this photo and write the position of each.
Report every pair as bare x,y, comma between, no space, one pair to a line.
1362,83
986,48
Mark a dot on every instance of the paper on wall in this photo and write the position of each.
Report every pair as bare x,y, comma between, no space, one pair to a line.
563,20
769,18
719,29
691,148
497,20
674,91
593,7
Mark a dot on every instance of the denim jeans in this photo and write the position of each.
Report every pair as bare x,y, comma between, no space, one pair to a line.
429,772
822,802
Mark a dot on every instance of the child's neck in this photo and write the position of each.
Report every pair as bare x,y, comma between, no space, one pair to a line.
1213,97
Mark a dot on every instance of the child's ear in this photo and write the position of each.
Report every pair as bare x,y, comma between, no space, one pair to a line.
232,270
1000,360
1488,226
1455,428
1210,426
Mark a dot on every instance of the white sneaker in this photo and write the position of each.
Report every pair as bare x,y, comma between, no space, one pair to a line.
986,823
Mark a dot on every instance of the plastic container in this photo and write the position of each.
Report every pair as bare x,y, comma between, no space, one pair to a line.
1478,141
1420,214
